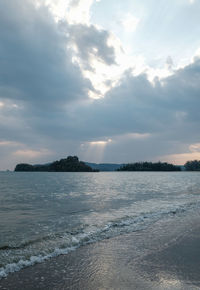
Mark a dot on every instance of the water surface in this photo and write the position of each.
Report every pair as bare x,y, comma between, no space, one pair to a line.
45,214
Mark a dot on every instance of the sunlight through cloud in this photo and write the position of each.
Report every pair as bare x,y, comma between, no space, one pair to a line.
94,150
101,143
79,11
130,22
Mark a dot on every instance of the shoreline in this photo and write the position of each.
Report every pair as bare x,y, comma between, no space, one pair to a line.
164,256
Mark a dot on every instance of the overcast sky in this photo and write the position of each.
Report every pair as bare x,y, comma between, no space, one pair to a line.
108,80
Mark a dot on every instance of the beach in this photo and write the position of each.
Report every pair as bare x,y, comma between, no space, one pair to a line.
166,255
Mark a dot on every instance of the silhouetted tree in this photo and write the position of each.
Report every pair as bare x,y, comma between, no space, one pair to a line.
193,165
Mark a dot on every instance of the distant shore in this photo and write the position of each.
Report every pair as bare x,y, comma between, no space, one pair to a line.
164,256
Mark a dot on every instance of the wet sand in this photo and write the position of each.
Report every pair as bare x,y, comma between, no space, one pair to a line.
164,256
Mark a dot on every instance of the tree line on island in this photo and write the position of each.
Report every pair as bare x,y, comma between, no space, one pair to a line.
72,164
150,166
193,165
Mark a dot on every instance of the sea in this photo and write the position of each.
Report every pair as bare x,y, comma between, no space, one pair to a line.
47,214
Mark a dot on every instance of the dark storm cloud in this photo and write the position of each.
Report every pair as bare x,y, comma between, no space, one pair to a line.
35,65
182,91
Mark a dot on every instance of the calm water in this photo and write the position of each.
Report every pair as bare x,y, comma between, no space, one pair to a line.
46,214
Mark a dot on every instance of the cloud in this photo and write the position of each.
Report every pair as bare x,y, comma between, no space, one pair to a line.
144,120
8,143
40,82
130,22
19,152
37,66
45,112
169,63
79,11
165,112
91,42
195,147
72,11
181,159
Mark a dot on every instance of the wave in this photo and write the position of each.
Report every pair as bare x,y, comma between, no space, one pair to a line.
70,241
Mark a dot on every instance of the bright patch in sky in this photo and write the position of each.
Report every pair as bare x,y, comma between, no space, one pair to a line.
100,143
195,147
130,22
31,154
8,143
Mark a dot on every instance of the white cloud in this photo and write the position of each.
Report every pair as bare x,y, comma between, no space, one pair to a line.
79,11
195,147
58,8
72,11
130,22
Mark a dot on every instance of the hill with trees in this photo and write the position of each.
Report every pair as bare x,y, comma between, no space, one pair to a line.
69,164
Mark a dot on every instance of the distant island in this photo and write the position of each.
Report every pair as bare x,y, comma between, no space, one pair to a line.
69,164
149,166
72,164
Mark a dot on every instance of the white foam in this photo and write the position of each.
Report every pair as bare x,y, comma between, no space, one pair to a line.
14,267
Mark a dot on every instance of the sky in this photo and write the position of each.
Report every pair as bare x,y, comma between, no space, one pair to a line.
109,81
